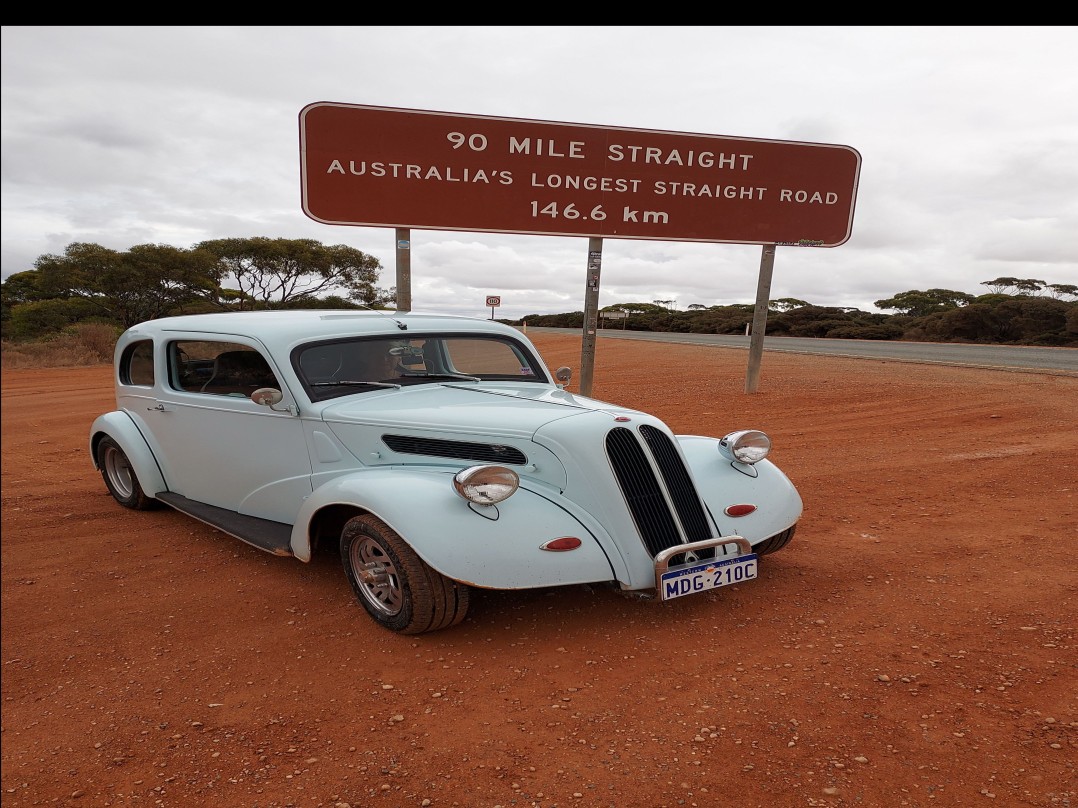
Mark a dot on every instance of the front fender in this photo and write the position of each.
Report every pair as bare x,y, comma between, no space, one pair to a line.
722,483
119,426
495,547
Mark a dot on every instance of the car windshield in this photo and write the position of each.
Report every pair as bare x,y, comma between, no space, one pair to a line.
345,367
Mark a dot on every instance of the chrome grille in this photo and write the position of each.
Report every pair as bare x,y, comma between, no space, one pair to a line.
678,483
653,513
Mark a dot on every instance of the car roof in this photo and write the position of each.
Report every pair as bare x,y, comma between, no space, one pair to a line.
283,328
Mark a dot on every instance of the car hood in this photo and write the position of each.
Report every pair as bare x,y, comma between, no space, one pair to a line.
501,410
551,436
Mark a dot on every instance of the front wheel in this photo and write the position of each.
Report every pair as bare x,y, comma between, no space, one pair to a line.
119,476
396,587
775,543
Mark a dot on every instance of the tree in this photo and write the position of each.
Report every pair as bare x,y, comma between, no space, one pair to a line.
1037,320
148,281
276,272
785,304
977,322
992,298
329,302
23,287
1000,285
29,321
1029,286
90,282
1021,286
635,308
810,321
385,298
18,290
1061,290
917,303
883,332
1018,320
720,319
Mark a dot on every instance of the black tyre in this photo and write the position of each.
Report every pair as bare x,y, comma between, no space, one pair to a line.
775,543
120,477
396,587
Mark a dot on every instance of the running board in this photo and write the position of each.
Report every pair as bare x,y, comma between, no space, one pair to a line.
273,537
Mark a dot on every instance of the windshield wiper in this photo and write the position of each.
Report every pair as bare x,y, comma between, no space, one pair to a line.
425,375
349,383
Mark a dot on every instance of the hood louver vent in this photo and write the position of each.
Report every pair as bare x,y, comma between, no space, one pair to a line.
461,450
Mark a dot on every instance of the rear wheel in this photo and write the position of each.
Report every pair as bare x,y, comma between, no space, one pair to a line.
396,587
120,477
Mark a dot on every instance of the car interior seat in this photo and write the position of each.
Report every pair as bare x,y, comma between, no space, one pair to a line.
239,373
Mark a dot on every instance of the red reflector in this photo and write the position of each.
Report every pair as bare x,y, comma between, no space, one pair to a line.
562,544
739,510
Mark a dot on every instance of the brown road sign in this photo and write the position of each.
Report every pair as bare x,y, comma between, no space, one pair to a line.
388,167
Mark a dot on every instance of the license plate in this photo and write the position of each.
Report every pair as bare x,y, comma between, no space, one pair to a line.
706,576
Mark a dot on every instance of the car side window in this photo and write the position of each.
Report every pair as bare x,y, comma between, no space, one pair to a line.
136,364
218,368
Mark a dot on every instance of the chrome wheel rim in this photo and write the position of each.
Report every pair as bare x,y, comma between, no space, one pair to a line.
377,576
119,471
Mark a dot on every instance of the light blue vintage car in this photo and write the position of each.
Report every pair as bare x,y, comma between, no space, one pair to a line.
435,453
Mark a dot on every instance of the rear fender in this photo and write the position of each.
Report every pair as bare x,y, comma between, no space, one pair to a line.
495,547
119,426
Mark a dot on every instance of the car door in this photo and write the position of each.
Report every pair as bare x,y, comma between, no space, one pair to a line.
217,446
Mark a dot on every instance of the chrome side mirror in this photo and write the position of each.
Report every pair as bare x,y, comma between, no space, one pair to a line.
564,375
268,397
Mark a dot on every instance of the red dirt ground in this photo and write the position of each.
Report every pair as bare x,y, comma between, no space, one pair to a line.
913,646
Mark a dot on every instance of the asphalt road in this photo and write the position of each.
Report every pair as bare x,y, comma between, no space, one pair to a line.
1057,361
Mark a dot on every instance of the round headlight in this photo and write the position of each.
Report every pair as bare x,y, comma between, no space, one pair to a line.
486,485
747,446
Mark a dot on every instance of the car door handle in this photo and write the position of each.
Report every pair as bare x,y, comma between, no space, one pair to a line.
160,408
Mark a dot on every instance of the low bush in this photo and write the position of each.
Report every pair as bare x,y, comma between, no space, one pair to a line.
75,345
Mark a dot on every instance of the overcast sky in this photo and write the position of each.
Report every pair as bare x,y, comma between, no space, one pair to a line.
968,138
